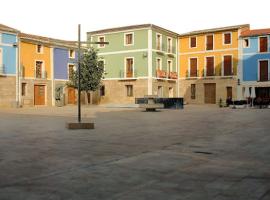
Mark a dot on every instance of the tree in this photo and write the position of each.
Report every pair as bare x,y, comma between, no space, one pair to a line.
92,70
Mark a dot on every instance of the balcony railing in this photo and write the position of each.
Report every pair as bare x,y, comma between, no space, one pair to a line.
164,48
173,75
42,75
2,69
192,74
161,73
264,78
128,74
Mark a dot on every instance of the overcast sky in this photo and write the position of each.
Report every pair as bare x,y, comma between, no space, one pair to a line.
59,18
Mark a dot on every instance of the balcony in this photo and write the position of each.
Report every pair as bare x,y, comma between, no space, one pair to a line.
171,51
161,73
192,74
128,74
264,77
173,75
2,69
42,75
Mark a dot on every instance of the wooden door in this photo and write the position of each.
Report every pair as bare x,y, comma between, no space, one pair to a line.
39,95
227,65
263,70
210,93
209,66
129,67
71,95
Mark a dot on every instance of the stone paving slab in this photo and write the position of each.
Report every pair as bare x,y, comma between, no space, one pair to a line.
200,152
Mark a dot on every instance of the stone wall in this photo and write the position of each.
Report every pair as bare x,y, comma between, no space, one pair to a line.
221,89
116,90
28,99
165,84
7,91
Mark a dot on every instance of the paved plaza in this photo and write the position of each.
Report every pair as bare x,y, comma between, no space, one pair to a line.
200,152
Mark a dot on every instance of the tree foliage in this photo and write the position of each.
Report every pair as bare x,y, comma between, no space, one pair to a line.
92,70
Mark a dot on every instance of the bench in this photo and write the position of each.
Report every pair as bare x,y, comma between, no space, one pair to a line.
151,105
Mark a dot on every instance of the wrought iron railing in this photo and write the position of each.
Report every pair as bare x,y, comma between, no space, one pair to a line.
128,74
2,69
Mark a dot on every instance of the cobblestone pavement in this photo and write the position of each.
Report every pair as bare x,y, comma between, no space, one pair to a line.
201,152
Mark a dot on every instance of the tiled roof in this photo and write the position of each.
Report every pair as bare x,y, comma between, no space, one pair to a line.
125,28
9,29
256,32
47,40
227,28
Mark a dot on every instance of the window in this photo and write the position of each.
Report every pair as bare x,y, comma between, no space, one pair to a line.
209,42
160,91
193,67
158,66
193,91
39,69
101,63
193,42
246,43
129,67
227,65
71,53
169,45
209,66
129,90
70,71
102,90
101,39
263,44
23,89
159,41
227,39
263,70
129,39
39,48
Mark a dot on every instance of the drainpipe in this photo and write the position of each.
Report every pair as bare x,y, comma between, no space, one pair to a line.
18,71
177,68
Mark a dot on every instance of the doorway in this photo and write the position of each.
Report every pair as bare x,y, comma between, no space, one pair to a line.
39,94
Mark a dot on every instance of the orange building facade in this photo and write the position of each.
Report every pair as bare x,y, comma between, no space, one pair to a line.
36,70
208,64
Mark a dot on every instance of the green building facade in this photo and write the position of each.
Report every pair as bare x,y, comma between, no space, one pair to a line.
139,60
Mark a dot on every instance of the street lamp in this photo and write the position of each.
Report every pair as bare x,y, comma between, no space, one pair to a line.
79,124
79,68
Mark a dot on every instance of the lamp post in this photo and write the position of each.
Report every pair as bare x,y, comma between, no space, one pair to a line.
79,68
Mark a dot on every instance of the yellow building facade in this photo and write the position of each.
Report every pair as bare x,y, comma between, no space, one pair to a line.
208,63
36,70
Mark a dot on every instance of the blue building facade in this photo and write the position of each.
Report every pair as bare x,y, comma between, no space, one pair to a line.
63,58
255,70
64,63
9,48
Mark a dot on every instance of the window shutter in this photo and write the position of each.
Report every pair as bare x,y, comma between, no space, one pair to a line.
227,65
193,67
210,66
209,42
227,38
193,42
263,44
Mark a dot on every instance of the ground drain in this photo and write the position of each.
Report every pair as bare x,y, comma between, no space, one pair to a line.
203,152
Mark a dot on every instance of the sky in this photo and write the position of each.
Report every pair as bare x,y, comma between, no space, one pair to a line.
60,18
